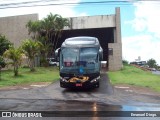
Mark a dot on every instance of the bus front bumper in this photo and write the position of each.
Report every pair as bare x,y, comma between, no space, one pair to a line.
88,84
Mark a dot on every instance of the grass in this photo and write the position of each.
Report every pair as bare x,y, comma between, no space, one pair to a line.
134,76
49,74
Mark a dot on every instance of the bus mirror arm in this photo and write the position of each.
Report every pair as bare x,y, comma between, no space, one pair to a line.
57,54
100,54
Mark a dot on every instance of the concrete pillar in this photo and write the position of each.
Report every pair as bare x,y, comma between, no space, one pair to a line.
115,49
115,59
118,26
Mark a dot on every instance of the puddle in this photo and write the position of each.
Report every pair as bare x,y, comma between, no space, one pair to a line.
98,106
25,88
140,108
129,90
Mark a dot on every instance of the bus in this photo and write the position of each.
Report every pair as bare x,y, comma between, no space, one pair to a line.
80,62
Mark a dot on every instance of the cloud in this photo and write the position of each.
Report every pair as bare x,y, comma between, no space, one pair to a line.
43,11
147,17
146,23
141,45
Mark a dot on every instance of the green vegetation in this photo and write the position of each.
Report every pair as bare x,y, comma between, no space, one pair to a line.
42,32
49,74
152,63
15,54
125,62
47,31
31,49
134,76
4,45
2,62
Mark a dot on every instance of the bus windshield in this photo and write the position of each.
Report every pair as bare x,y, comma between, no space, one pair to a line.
73,58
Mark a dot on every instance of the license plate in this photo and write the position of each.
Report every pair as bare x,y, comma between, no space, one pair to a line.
78,85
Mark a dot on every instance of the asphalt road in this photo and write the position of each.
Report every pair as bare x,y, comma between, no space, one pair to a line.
156,72
53,98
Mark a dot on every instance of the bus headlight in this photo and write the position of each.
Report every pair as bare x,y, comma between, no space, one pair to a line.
63,80
95,80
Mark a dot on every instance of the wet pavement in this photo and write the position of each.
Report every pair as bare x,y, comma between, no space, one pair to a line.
53,98
156,72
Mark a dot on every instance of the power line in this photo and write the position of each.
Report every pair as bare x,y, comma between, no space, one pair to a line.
38,1
19,3
34,3
55,4
57,0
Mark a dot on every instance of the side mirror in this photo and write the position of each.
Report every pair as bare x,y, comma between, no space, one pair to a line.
57,53
100,54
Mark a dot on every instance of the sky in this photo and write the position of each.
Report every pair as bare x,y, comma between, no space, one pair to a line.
139,20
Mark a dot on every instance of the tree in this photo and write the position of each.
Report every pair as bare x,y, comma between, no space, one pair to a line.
15,54
51,26
152,63
31,49
2,62
4,45
54,25
34,27
44,50
125,62
59,26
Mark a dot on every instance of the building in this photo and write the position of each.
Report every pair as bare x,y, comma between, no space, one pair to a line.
106,28
14,27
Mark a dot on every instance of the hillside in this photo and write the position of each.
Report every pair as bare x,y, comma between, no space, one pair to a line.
135,76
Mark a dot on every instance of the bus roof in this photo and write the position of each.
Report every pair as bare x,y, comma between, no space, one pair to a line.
82,41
